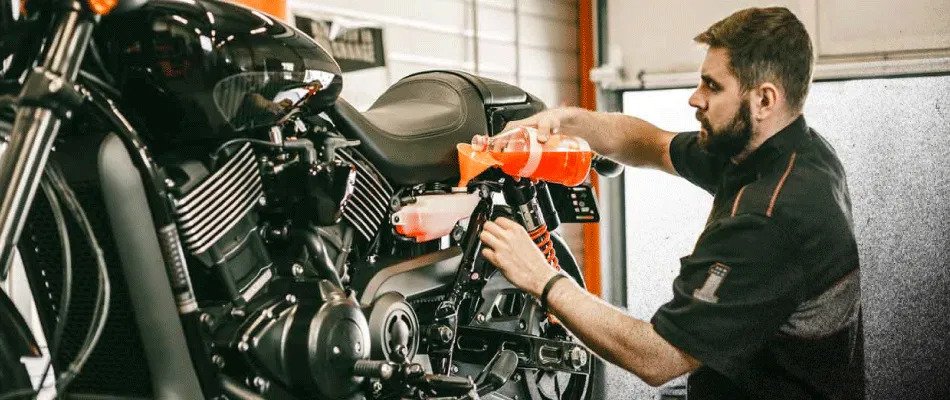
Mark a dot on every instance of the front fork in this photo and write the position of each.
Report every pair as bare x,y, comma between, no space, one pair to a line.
524,197
43,104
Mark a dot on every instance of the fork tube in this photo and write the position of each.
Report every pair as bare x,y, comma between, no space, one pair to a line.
35,128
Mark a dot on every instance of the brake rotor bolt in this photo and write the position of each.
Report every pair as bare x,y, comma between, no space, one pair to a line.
577,357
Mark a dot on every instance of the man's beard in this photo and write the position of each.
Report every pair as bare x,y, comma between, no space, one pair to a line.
730,140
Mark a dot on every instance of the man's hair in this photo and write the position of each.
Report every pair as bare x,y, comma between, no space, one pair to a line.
765,44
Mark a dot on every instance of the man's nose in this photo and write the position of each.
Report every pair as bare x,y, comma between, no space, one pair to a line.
696,100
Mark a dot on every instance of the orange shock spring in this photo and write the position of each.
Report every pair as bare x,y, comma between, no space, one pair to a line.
542,238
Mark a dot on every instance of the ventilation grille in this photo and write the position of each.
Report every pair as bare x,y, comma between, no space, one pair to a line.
218,203
117,366
369,203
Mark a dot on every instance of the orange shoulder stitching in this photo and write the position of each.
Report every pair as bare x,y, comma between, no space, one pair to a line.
781,182
735,205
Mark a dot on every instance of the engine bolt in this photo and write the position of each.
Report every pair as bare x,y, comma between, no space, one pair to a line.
480,318
169,183
291,299
262,201
400,353
336,350
218,360
261,384
243,346
521,325
455,369
296,270
55,85
474,276
377,387
237,312
445,334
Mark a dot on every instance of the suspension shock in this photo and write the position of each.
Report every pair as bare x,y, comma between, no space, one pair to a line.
522,196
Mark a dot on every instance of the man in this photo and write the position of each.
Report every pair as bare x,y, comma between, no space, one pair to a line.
767,304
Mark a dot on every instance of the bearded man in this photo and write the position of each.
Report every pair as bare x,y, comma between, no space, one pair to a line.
767,305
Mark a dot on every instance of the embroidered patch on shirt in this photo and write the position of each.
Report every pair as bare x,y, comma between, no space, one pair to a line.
717,274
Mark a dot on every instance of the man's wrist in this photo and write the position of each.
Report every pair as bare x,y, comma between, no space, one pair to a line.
538,287
558,291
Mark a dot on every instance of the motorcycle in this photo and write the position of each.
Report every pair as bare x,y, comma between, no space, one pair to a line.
200,215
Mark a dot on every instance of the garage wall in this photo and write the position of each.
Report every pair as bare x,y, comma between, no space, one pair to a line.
529,43
654,37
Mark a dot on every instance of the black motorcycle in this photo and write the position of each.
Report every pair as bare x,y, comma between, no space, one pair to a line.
201,216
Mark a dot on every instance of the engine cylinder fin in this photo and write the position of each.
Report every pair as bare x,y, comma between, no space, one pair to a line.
219,202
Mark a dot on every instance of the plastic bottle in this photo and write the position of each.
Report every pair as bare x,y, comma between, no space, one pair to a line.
561,159
433,216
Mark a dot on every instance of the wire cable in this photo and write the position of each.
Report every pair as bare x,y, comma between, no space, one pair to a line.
66,292
103,295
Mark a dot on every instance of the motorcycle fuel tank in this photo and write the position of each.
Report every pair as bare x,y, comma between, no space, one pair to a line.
204,69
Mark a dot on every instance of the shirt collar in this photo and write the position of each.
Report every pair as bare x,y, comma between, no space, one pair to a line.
783,142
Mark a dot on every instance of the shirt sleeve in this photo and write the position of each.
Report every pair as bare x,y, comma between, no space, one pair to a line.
695,164
733,293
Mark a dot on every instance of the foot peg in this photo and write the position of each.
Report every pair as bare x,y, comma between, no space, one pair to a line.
493,377
497,372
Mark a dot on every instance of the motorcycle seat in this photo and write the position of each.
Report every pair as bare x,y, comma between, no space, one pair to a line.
411,130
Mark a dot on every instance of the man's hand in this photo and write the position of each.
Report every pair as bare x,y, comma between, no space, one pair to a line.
551,122
509,248
617,337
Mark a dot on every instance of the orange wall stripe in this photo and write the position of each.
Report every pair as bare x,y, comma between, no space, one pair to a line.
277,8
588,100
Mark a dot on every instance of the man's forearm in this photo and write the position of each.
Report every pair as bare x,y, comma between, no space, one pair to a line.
626,139
617,337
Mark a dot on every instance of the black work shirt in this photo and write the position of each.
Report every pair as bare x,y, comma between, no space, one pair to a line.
768,301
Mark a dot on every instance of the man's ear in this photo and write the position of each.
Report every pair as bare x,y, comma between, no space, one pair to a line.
765,100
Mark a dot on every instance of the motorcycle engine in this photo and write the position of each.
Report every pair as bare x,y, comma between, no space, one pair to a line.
267,273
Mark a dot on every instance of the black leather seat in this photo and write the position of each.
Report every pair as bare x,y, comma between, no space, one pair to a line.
410,132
